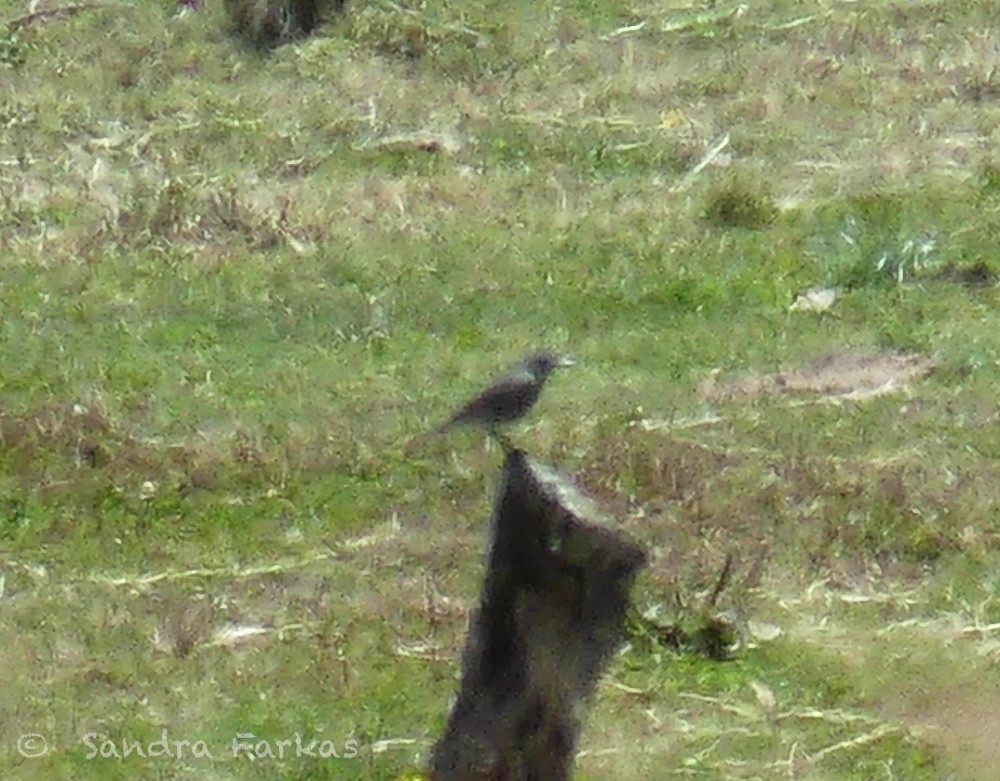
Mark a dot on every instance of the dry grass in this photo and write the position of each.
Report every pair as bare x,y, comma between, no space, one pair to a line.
237,285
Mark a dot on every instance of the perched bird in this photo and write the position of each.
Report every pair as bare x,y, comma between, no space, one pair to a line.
511,396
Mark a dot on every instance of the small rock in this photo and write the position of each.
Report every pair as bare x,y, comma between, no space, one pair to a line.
816,299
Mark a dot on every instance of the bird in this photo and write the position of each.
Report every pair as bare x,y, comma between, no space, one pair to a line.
509,397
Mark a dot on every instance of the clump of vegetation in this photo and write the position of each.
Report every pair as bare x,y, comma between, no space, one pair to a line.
880,243
412,33
13,49
273,22
699,629
990,176
741,202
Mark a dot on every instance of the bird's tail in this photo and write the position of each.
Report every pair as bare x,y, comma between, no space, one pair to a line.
458,419
448,425
420,440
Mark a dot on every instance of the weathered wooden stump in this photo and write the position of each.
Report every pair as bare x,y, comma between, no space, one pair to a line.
551,612
272,22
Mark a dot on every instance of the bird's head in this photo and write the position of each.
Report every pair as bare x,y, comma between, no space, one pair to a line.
543,364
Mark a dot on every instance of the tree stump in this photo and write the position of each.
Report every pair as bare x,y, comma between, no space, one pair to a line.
551,613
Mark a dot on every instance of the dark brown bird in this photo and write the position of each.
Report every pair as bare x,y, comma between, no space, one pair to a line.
511,396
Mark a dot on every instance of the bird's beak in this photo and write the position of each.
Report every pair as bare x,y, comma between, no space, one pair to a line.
565,360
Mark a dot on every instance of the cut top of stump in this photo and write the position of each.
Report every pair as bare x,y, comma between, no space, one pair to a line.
543,513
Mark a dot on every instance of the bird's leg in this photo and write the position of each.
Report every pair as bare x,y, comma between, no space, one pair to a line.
502,439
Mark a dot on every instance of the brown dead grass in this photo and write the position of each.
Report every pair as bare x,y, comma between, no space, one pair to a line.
190,611
839,516
71,446
77,431
678,95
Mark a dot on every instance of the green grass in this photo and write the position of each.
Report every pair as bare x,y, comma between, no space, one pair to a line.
237,289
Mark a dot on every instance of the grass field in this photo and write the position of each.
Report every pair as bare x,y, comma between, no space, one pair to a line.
238,287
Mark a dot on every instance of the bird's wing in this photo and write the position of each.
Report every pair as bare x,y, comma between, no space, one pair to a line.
505,399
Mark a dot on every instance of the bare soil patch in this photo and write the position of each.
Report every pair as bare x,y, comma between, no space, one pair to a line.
838,374
964,724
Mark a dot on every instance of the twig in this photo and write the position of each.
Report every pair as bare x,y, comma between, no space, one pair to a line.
381,746
978,630
210,572
712,153
65,10
648,424
632,28
736,710
861,740
832,716
797,22
695,21
727,570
